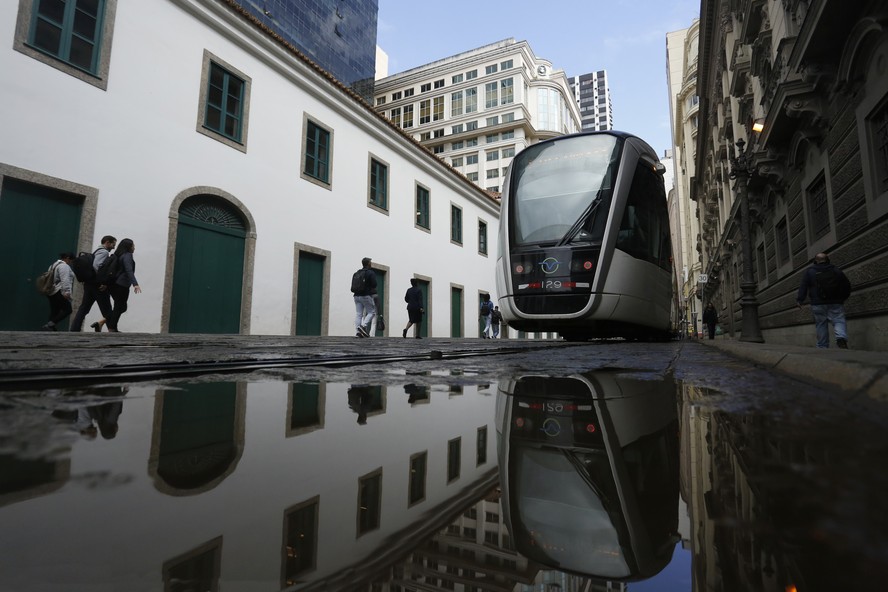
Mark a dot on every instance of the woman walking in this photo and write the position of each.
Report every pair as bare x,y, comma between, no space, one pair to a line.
126,277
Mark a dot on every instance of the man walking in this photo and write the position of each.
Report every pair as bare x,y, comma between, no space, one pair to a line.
828,288
484,315
496,317
93,291
363,287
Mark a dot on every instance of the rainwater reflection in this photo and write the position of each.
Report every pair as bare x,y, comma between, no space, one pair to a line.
593,482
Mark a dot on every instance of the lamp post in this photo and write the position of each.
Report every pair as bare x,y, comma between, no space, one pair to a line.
741,171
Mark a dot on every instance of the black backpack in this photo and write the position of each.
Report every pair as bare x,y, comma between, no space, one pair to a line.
82,266
108,270
829,284
485,308
359,282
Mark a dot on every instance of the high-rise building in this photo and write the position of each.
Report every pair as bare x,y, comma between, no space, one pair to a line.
592,94
681,73
479,108
338,36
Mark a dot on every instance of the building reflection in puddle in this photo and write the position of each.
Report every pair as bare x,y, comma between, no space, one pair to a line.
432,483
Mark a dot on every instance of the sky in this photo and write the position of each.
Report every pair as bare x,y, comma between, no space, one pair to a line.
625,37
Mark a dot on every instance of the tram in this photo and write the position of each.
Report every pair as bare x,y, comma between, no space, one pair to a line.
584,242
589,470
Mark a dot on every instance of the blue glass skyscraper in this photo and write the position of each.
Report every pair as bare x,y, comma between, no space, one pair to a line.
338,36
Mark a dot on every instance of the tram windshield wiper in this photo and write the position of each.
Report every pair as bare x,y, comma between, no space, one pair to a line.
585,217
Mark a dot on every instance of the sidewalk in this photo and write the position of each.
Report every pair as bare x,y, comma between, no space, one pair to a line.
859,373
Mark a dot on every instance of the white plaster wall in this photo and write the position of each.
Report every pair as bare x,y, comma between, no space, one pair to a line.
137,144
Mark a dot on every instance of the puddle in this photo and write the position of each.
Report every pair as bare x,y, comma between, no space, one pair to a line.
433,480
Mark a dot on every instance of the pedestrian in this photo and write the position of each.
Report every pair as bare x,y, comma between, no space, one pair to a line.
415,309
496,317
484,315
828,289
364,287
126,277
60,296
710,319
93,291
359,399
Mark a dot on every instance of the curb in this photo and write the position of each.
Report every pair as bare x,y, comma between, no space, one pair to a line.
856,373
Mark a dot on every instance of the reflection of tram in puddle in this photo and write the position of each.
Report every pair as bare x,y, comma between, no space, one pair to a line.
589,471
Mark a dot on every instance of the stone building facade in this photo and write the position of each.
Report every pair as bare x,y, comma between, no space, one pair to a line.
812,75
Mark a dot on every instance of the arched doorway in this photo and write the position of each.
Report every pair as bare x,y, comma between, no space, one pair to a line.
208,273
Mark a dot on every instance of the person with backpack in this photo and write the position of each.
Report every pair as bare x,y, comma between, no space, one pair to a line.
364,287
496,317
61,293
122,276
93,291
828,288
415,309
484,315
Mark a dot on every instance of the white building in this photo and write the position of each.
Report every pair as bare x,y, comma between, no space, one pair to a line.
592,94
479,108
681,58
250,180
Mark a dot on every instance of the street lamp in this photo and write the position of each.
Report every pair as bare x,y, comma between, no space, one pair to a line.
741,171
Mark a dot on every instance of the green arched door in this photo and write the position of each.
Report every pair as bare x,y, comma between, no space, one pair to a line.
209,268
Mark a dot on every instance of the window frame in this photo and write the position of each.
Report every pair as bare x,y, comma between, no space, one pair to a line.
456,230
454,459
422,211
817,169
374,166
98,74
326,182
483,242
209,61
374,513
416,488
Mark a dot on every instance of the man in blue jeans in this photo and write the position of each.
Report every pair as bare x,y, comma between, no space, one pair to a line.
828,288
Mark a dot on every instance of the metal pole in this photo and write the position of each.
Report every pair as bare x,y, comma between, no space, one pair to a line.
749,329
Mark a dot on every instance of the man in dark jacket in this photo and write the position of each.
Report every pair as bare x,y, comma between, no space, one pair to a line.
828,288
365,306
710,319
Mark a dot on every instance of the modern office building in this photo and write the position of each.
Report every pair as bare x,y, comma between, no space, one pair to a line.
338,36
477,109
791,161
681,60
251,181
592,93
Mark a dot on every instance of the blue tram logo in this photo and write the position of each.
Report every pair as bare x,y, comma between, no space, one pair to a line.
549,265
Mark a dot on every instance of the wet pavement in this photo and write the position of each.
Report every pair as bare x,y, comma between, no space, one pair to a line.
164,462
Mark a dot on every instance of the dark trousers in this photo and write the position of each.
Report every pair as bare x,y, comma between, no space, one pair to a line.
92,293
711,327
120,295
59,308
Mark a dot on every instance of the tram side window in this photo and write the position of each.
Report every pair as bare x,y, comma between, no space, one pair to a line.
644,229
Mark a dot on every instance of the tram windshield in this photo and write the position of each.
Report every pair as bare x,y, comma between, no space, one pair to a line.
562,188
567,520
